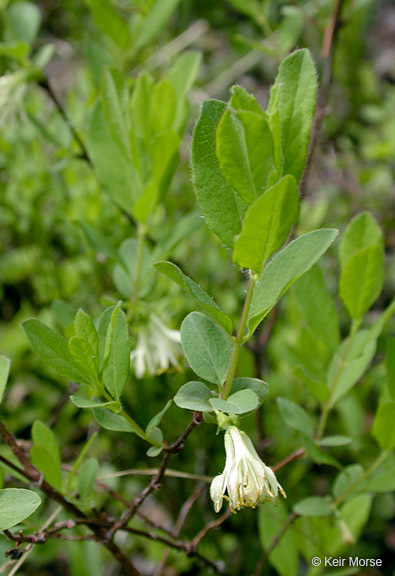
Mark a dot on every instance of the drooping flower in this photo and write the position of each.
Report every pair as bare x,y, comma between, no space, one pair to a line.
246,479
157,348
13,87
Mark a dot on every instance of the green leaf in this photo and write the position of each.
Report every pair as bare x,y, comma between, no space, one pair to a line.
141,106
363,231
14,50
194,396
114,113
154,451
4,372
383,478
45,455
207,303
284,557
346,479
319,390
317,308
84,357
85,328
335,441
87,477
24,19
222,207
245,152
182,74
349,364
157,419
284,269
240,402
206,347
267,224
16,504
383,426
314,506
156,436
317,455
82,402
242,100
155,20
116,354
115,173
295,416
361,280
295,96
109,22
259,387
110,421
52,348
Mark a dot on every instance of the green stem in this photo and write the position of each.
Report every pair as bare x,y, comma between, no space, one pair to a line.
131,420
327,406
139,262
239,340
364,476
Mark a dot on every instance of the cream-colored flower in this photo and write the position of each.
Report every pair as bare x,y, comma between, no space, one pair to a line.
157,348
246,479
13,87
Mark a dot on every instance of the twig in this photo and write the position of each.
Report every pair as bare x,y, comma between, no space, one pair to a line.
327,51
210,526
185,509
35,477
294,456
157,478
44,83
274,543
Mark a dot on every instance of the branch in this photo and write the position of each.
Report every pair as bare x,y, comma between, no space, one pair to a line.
327,51
44,83
274,543
36,479
156,480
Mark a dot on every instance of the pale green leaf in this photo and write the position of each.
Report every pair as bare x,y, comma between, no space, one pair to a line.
155,20
222,207
194,396
240,402
16,504
361,280
206,347
284,557
52,348
383,426
295,416
245,152
87,477
116,354
362,231
206,302
314,506
267,224
284,269
296,97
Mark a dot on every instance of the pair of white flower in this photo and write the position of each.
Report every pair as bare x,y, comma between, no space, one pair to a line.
246,479
157,348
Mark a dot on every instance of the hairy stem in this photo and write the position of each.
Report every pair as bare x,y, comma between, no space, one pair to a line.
239,340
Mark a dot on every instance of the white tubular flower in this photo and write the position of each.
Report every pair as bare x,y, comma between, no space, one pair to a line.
246,479
157,348
13,87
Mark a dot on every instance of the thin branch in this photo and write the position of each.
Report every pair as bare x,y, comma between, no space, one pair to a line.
36,479
274,543
156,480
210,526
185,509
327,52
294,456
45,84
